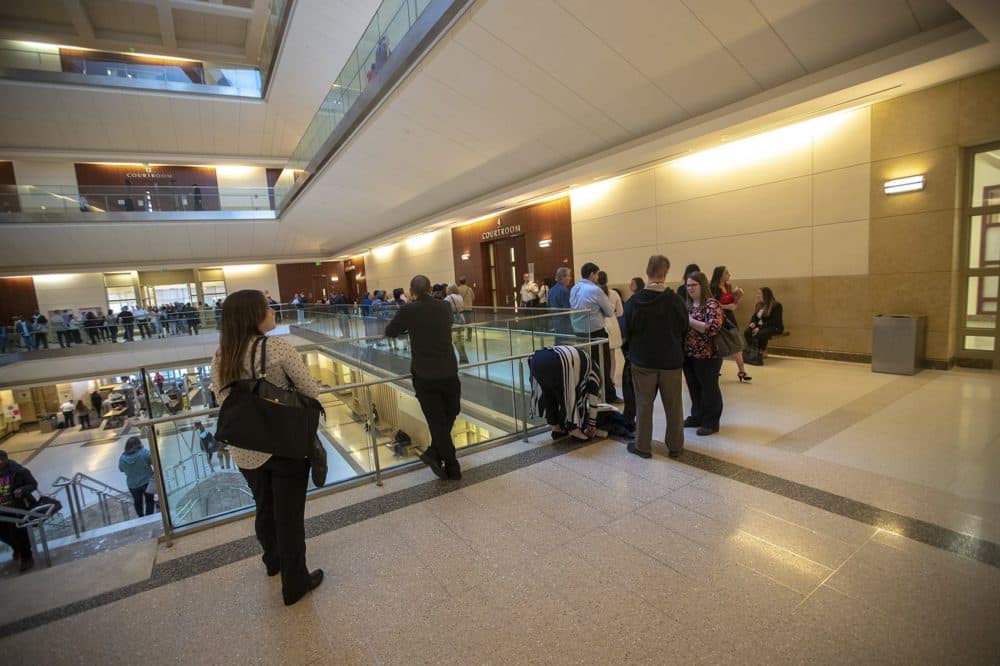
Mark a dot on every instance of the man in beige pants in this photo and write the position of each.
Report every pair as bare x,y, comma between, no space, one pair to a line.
655,324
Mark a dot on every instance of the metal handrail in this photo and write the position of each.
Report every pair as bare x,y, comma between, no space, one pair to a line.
27,518
160,479
344,387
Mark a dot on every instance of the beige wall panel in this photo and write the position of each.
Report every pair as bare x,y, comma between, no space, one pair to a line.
915,123
914,293
915,243
938,345
429,254
263,277
773,254
70,291
841,249
786,204
847,144
842,302
842,195
941,168
622,265
979,112
677,182
843,339
617,196
633,229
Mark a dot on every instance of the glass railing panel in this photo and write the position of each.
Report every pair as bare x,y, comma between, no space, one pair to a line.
19,203
198,482
43,62
388,27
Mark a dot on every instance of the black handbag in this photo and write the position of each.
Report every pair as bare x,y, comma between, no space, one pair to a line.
261,416
728,340
318,466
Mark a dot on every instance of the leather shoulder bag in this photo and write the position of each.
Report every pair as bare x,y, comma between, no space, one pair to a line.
261,416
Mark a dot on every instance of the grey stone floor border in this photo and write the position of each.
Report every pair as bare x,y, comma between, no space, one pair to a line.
922,531
211,558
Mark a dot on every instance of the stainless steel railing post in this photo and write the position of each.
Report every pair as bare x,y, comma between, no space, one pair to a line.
524,399
154,450
79,505
373,436
72,509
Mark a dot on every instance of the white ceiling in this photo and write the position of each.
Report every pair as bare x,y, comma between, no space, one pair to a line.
521,87
153,126
523,95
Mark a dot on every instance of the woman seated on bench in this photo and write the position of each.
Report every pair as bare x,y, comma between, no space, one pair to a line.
765,323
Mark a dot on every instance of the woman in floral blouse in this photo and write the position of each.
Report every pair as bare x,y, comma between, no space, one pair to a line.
701,365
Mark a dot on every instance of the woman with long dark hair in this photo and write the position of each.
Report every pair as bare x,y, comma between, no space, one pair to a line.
766,322
701,365
729,300
278,483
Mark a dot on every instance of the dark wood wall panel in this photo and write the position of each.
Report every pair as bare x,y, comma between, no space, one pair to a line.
545,221
312,279
171,187
17,297
9,201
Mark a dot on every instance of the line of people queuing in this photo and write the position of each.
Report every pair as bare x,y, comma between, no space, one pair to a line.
35,332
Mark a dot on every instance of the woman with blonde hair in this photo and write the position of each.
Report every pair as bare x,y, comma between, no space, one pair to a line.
278,483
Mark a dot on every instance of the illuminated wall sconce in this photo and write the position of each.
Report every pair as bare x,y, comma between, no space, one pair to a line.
900,185
545,243
334,278
466,256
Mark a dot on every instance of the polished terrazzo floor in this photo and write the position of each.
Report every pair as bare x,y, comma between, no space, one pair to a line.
590,555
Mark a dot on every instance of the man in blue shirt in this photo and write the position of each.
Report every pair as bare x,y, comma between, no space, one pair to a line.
586,295
559,298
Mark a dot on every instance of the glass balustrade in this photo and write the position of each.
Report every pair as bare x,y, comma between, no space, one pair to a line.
50,63
366,66
373,422
83,203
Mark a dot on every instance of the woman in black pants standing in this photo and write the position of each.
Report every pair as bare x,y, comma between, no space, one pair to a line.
278,483
701,365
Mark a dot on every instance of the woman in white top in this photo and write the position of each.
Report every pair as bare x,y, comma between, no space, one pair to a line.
278,483
457,304
611,324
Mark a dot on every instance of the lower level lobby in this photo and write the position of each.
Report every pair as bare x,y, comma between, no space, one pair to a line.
839,516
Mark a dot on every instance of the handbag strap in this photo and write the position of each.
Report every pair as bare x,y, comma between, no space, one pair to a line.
263,358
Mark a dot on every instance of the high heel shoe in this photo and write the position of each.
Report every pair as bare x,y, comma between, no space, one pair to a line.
744,377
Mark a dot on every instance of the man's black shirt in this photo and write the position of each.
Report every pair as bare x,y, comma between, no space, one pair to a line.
428,321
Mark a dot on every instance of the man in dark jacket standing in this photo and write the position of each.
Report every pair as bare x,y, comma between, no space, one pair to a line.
434,370
656,322
16,488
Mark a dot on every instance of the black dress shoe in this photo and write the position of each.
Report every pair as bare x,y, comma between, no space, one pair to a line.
706,431
674,454
315,578
435,465
691,422
642,454
274,571
454,473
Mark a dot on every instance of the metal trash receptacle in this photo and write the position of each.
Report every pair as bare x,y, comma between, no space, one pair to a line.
898,343
47,423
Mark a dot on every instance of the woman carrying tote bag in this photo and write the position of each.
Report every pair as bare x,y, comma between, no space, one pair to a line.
278,482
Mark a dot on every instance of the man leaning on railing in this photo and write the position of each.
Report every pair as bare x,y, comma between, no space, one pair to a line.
17,486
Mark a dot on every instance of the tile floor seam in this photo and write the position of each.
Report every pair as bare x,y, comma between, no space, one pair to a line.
838,568
922,531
